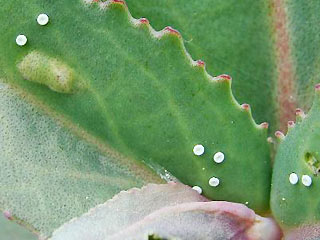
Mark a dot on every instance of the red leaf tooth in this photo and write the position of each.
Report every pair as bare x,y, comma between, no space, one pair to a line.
245,106
291,124
200,63
172,31
119,2
279,135
224,76
264,125
144,21
300,113
7,215
317,87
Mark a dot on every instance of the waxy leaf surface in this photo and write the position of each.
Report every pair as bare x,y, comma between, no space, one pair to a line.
138,91
299,153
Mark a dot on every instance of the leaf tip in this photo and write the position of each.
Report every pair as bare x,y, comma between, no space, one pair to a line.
264,228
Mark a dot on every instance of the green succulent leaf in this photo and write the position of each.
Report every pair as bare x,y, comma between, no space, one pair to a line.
294,200
50,174
232,37
139,91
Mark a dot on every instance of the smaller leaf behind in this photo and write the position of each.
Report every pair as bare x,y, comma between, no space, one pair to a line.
298,153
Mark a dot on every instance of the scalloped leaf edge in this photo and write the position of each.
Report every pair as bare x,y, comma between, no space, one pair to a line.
168,30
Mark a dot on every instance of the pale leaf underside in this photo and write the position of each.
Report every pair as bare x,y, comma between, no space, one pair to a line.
49,175
167,211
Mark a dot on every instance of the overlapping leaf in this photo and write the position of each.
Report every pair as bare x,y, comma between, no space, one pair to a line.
168,211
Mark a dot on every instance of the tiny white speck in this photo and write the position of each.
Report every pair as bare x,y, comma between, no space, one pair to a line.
283,199
218,157
21,40
214,182
198,189
306,180
87,198
198,149
293,178
246,203
203,169
43,19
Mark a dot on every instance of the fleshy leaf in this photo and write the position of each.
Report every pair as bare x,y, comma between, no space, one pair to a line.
141,93
210,220
295,178
127,208
48,175
233,37
167,211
